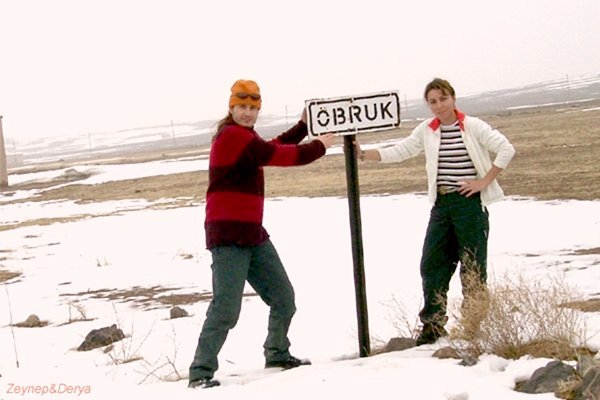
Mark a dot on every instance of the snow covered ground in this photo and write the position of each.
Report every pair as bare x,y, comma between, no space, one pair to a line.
70,269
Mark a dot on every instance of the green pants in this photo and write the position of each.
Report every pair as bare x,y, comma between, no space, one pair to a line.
232,266
457,231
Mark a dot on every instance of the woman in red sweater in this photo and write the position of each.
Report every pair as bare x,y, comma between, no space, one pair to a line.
240,246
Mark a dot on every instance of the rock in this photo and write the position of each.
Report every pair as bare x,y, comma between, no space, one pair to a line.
101,337
399,344
178,312
33,321
446,352
548,379
72,173
468,361
457,396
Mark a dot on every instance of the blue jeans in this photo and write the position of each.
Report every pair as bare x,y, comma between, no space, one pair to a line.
232,266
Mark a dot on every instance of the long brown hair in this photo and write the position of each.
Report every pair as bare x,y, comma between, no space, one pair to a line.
227,120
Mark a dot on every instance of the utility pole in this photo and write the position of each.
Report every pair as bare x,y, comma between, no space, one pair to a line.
173,133
3,163
568,90
286,118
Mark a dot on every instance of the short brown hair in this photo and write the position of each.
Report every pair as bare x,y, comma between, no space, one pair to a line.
440,84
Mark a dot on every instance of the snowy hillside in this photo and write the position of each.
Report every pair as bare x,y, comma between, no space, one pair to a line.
126,265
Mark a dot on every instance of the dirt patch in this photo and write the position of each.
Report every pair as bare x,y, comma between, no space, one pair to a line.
4,251
557,149
172,203
44,221
591,305
147,297
68,176
74,320
557,153
556,158
8,275
586,252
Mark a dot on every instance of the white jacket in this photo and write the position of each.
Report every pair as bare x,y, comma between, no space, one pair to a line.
479,139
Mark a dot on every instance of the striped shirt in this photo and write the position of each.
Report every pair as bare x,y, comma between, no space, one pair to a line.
454,163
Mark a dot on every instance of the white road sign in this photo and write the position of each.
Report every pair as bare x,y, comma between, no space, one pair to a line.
353,114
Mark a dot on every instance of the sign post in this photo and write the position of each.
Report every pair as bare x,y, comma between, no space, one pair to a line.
348,116
360,290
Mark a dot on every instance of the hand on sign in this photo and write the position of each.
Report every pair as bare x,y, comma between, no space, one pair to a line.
326,139
303,117
357,150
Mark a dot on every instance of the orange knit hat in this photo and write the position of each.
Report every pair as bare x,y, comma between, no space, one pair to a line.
245,92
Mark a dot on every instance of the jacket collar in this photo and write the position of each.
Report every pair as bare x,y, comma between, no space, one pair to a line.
435,123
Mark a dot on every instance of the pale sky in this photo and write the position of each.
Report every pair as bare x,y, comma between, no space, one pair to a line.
74,66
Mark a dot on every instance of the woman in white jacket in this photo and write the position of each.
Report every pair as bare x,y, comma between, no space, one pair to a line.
461,183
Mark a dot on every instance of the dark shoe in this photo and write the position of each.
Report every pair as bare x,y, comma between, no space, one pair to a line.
203,383
288,363
430,334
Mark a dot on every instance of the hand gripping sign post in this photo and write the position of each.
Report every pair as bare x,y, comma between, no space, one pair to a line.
349,116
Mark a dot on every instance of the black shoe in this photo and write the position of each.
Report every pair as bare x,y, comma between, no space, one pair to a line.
430,334
203,383
287,363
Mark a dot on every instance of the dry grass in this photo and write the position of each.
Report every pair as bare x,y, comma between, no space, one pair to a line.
557,158
522,317
590,305
583,252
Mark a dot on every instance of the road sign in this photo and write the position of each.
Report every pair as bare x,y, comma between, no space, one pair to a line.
348,116
353,114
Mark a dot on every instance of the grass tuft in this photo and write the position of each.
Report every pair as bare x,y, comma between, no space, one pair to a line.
521,316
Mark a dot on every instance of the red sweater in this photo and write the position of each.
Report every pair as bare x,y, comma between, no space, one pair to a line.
235,194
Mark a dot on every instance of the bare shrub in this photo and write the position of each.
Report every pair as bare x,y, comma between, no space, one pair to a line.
405,326
127,351
102,263
516,316
81,312
164,369
12,329
398,316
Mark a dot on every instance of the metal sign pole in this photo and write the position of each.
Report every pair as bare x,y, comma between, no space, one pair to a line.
357,245
348,116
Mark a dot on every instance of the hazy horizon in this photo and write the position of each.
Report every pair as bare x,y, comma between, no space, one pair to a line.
74,68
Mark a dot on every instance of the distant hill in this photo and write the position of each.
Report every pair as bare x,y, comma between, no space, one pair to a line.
197,134
562,91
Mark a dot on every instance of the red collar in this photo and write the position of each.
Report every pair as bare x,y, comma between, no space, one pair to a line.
435,123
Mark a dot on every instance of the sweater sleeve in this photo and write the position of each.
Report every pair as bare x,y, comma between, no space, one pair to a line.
243,146
495,142
294,135
285,155
405,148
